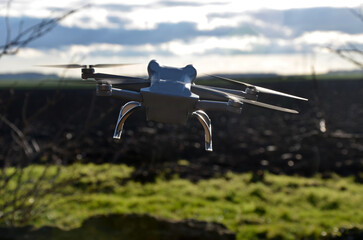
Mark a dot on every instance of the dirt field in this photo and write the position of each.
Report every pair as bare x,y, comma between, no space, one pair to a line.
79,127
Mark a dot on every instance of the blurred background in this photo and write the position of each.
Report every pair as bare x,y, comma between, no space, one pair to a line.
270,173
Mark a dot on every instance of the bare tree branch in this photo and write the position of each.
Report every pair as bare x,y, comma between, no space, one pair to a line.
350,54
7,22
343,53
22,149
28,35
23,142
357,13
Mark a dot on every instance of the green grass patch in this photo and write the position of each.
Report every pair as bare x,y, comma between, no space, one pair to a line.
281,207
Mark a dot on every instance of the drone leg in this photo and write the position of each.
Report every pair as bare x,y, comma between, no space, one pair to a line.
207,126
125,112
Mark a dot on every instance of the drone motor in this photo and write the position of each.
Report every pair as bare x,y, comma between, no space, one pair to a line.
87,72
251,90
103,89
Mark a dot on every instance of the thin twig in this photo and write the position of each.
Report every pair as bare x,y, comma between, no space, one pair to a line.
341,53
24,37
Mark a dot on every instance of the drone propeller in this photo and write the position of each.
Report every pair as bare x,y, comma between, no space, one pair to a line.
111,65
85,66
258,89
265,105
122,80
112,81
64,66
242,100
101,78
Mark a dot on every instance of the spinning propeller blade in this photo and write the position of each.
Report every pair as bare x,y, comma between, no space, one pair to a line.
85,66
112,65
70,81
258,89
105,78
109,81
244,100
64,66
265,105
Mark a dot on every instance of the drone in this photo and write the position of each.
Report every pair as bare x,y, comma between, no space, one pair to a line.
169,95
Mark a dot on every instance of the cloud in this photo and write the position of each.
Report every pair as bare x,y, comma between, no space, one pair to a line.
186,3
31,53
312,19
262,32
210,63
335,38
186,30
63,36
292,23
117,7
206,15
230,45
204,45
182,39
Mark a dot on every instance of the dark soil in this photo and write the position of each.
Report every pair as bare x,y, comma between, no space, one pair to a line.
79,127
128,226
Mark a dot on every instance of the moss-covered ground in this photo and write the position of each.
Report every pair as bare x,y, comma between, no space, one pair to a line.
280,207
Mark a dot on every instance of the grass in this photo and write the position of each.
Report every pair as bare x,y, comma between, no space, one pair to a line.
281,207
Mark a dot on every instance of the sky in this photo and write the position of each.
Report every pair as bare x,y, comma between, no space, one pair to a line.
216,36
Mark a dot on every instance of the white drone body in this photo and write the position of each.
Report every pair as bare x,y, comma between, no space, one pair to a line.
169,95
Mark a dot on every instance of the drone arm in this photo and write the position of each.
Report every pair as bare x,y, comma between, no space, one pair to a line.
220,94
229,106
206,93
136,87
126,94
101,76
236,92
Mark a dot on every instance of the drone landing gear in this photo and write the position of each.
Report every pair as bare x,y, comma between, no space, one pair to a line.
207,126
125,112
